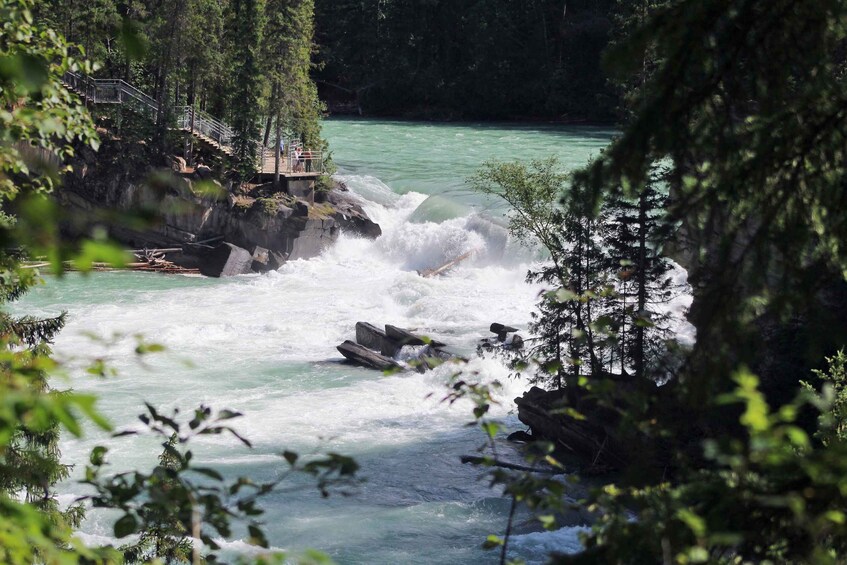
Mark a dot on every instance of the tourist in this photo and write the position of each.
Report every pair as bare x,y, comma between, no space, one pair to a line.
298,159
308,160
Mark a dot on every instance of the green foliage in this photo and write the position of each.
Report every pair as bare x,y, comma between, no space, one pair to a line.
607,273
287,52
163,536
833,424
179,500
634,231
771,496
39,119
248,23
745,106
533,193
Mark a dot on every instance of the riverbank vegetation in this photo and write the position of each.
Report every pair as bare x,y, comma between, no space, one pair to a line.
736,458
177,510
731,149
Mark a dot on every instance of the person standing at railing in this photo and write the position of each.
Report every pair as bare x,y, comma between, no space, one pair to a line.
308,156
298,159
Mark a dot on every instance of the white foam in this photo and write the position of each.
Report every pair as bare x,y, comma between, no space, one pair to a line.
536,547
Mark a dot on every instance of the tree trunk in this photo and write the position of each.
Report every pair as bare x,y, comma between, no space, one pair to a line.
267,130
641,281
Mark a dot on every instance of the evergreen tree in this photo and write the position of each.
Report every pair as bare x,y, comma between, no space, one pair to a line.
293,105
165,536
246,33
30,465
568,341
634,233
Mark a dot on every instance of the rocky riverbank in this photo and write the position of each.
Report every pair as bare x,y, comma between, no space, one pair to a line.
173,206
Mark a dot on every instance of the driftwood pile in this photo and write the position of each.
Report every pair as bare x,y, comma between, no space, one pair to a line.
377,349
154,260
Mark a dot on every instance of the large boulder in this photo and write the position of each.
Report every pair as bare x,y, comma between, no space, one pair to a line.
351,217
203,172
398,337
226,260
370,336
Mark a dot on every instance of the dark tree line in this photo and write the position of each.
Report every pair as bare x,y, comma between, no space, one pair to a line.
467,58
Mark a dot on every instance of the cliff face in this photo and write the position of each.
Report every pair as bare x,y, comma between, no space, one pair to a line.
157,207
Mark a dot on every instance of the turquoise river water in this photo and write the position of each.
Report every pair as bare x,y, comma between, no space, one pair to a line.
265,345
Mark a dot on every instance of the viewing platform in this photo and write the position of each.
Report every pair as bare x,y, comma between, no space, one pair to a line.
204,127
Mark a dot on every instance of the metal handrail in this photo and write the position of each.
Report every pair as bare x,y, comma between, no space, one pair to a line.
117,91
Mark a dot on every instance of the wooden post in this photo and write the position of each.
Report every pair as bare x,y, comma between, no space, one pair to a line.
277,154
191,139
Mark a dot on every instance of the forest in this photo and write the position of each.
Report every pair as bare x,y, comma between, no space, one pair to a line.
730,161
467,59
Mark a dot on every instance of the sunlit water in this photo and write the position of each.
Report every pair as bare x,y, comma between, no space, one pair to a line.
265,345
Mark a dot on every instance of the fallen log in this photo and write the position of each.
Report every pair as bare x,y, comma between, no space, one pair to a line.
476,460
427,273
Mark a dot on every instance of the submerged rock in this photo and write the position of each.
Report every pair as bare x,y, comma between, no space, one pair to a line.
363,356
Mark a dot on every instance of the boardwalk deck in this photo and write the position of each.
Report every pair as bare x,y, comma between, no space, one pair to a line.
204,127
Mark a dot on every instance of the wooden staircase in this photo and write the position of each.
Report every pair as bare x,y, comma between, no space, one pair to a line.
204,127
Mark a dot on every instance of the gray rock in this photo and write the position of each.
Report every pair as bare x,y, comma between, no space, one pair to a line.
261,259
404,337
203,172
226,260
275,260
370,336
363,356
501,330
301,208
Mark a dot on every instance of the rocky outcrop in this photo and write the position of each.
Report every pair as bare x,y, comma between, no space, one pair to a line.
186,207
226,260
380,349
350,216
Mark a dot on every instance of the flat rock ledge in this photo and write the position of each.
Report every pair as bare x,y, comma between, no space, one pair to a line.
203,224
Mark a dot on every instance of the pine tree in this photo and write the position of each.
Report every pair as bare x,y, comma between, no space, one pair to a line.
164,536
569,341
635,230
30,466
293,105
246,33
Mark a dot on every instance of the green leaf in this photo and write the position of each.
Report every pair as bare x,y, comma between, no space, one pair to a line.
98,455
25,70
492,542
211,473
132,40
490,428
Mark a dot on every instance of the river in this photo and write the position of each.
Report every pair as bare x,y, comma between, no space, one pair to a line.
265,345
